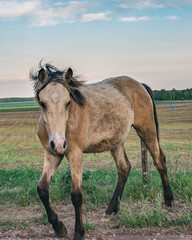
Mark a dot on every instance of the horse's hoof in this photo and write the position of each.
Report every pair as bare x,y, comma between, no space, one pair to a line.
169,200
60,230
110,210
168,203
79,235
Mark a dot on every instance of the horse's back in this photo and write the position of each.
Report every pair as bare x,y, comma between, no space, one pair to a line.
123,88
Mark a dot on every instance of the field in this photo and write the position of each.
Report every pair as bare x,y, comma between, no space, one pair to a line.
142,214
18,106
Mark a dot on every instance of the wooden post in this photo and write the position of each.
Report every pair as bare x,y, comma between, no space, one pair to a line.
144,162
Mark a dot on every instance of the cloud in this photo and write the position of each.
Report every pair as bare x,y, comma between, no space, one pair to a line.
146,18
40,14
49,13
134,19
13,9
153,4
140,4
60,13
172,17
96,16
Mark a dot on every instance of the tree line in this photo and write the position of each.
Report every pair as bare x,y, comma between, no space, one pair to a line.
173,94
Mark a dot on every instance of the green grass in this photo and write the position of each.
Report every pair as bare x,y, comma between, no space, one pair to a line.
20,103
141,204
88,225
172,101
147,215
18,108
19,186
42,220
9,224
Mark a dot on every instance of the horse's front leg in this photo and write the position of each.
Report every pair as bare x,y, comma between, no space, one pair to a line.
76,164
51,163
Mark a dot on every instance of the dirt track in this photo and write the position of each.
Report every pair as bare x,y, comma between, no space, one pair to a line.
106,228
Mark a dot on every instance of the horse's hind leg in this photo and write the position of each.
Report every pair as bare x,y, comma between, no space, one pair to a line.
123,167
149,136
51,163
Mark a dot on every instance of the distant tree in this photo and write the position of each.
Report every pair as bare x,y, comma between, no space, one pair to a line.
175,95
187,94
157,95
164,94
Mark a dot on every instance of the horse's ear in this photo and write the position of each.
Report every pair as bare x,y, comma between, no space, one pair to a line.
68,75
42,75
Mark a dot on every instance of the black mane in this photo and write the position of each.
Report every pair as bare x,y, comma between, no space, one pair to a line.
56,75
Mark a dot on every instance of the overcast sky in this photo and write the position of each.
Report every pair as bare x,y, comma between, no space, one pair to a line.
149,40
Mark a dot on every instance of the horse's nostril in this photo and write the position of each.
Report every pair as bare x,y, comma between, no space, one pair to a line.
52,145
64,144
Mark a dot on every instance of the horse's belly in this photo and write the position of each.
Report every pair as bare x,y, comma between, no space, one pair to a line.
102,146
107,137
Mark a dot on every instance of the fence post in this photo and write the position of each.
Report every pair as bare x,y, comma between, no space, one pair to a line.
144,162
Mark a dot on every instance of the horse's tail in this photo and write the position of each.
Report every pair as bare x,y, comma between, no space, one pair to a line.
154,108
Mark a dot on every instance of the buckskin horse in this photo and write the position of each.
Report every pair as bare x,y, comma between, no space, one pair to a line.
77,118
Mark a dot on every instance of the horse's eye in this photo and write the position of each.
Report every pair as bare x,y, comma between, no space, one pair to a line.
43,105
68,104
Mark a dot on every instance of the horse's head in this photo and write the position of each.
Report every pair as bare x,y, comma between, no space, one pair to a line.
54,90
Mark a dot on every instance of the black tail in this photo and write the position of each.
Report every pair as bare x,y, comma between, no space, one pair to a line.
154,108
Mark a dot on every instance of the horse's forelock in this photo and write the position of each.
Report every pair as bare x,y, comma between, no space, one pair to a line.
56,75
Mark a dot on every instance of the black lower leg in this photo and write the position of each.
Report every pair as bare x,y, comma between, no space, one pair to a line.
168,195
77,200
58,226
123,169
114,203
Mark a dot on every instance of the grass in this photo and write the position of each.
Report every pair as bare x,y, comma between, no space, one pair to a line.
42,220
141,205
18,103
172,101
149,216
18,106
18,186
9,224
88,225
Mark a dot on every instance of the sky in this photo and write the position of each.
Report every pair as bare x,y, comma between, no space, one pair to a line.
148,40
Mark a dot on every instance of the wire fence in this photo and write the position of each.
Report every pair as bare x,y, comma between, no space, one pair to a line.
34,134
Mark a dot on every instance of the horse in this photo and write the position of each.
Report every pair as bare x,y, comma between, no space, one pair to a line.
79,118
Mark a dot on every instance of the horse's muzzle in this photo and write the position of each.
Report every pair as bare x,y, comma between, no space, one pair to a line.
58,145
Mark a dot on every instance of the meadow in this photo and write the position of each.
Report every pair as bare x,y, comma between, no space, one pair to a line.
18,106
141,208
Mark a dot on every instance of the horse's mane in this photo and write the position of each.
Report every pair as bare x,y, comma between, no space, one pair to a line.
56,75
